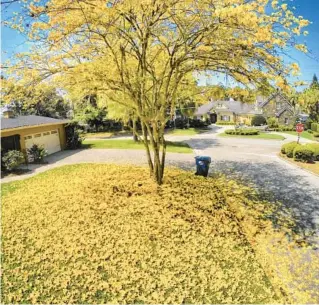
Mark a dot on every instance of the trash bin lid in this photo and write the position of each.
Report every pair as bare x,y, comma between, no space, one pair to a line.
203,158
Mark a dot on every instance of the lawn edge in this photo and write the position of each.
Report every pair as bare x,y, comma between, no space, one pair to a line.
295,164
224,135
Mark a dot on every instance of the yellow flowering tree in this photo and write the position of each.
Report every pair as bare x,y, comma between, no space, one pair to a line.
139,52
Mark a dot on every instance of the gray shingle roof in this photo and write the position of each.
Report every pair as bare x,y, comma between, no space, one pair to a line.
231,105
28,120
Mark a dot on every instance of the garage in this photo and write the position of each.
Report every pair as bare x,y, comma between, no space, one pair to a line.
22,132
49,140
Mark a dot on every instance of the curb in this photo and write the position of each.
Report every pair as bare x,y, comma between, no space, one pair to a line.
297,166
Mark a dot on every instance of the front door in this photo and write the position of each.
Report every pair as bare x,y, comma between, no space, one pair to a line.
213,118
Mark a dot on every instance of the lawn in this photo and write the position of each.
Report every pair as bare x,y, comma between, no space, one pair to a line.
177,147
96,233
266,136
304,134
187,132
106,134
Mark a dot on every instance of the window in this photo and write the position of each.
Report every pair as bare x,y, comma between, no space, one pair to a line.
46,133
286,121
54,131
38,135
225,118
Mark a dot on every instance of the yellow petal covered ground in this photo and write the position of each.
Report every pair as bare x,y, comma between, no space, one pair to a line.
95,233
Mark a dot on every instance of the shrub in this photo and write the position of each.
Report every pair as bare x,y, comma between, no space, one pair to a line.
258,120
37,153
283,148
303,153
289,148
316,134
272,122
286,128
74,136
224,123
244,132
315,148
308,124
12,159
310,131
315,127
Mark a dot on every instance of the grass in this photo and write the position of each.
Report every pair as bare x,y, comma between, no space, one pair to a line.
96,233
266,136
304,134
312,167
106,134
177,147
187,132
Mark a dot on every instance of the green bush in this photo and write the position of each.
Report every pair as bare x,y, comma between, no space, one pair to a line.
316,134
258,120
12,159
315,127
37,153
315,148
286,128
244,132
74,136
303,153
224,123
308,124
289,149
272,122
283,148
309,130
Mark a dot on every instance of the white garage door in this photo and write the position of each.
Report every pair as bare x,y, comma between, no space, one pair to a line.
49,140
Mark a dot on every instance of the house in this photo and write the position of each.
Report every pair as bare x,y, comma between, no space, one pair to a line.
21,132
277,105
228,111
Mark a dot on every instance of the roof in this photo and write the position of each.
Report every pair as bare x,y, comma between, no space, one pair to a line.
231,105
28,121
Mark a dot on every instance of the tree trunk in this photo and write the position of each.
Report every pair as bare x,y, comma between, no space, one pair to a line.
135,138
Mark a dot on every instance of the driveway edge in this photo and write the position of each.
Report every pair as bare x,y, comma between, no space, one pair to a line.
295,165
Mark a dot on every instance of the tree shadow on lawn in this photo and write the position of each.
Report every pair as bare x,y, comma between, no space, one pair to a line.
290,192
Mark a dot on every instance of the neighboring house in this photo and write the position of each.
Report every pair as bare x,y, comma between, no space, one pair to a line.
21,132
277,105
228,111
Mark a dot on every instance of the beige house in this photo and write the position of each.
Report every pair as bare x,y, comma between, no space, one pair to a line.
228,111
21,132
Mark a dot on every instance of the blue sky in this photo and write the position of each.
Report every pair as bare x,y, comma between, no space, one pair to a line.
12,42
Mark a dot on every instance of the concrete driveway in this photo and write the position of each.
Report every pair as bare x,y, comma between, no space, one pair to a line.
256,163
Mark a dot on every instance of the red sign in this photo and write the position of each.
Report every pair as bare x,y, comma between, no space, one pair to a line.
299,128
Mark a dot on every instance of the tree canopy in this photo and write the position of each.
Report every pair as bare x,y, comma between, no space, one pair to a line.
139,53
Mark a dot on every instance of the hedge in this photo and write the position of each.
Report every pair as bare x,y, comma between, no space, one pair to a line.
303,153
225,123
315,127
288,148
244,132
316,134
315,148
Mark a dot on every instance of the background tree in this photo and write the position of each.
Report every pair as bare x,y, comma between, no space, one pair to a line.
145,49
42,100
309,100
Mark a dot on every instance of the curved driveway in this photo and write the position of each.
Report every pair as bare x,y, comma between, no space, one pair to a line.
256,163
